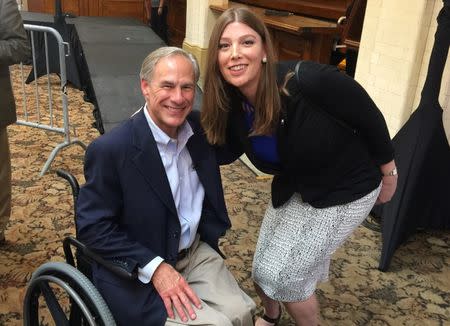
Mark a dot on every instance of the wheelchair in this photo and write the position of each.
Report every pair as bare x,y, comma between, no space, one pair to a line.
59,282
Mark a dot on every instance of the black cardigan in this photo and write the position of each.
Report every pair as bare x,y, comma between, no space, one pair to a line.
331,138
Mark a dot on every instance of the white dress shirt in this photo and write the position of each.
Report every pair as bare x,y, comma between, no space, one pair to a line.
187,191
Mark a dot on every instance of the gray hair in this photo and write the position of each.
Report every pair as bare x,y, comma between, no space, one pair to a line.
148,66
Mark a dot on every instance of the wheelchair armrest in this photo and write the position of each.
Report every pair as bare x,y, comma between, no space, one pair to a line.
72,181
115,268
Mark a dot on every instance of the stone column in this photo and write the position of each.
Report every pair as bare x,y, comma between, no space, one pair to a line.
391,53
199,22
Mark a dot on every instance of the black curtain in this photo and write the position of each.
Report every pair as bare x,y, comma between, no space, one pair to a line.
422,199
68,34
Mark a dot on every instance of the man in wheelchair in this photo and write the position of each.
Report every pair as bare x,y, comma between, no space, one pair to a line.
153,203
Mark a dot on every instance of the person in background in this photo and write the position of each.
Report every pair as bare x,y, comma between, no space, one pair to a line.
14,48
321,136
157,13
349,54
153,203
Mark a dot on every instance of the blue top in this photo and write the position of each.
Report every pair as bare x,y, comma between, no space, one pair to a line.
264,147
155,3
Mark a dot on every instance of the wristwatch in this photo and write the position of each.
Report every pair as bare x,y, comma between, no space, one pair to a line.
391,173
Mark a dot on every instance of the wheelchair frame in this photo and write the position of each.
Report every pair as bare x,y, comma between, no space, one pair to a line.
87,307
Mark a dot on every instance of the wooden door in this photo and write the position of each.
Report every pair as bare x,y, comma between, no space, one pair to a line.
76,7
110,8
176,21
122,8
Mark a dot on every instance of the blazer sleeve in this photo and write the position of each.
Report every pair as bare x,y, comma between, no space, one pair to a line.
100,205
14,45
347,101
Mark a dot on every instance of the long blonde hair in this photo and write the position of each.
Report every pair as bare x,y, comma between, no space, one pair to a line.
216,97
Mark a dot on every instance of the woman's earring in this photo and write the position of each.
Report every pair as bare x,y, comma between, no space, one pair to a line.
264,60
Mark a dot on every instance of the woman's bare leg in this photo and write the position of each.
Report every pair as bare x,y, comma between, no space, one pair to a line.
271,307
304,313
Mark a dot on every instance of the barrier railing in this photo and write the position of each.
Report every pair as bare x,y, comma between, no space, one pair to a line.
46,118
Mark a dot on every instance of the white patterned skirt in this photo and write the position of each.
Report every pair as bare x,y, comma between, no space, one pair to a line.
296,242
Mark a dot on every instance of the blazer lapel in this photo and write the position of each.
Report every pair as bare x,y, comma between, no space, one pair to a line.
148,160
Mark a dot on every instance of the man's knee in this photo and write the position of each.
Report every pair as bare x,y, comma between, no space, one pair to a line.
239,312
207,316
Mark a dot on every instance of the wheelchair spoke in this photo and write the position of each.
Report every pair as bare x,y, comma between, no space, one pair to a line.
53,305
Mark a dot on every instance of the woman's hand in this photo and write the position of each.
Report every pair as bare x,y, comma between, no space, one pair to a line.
389,182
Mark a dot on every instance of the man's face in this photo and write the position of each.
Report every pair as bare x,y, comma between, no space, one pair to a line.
170,93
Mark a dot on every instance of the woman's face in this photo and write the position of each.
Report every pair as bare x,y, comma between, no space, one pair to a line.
240,57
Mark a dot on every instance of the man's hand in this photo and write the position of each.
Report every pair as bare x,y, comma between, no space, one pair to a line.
175,292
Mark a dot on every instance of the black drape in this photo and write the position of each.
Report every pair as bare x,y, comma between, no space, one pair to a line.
422,199
68,35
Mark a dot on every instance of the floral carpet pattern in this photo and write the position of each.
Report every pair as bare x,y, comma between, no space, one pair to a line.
415,290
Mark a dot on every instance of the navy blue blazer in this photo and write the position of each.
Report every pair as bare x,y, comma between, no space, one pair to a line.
126,212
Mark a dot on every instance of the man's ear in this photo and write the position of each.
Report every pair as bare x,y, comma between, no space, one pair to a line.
145,87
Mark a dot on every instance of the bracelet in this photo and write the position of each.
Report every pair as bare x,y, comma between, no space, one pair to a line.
391,173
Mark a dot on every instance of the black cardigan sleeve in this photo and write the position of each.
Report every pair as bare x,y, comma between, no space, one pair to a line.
347,101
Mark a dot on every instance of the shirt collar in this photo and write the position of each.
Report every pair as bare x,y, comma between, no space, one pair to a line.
184,132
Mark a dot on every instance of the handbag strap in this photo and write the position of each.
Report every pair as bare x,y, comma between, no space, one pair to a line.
297,67
318,107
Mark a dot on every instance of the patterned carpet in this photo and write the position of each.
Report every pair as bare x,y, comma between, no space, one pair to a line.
415,291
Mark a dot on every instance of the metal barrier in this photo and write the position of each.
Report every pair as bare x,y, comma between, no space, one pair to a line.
46,119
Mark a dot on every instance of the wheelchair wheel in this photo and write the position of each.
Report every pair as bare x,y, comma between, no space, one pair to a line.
84,297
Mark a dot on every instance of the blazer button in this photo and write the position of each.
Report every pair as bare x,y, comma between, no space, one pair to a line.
176,235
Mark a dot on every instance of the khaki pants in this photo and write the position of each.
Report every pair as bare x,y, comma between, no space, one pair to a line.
223,301
5,181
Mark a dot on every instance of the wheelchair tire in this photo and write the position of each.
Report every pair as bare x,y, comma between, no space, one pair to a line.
79,282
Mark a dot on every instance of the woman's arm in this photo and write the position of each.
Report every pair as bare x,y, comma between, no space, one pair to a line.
346,100
225,155
160,7
389,182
